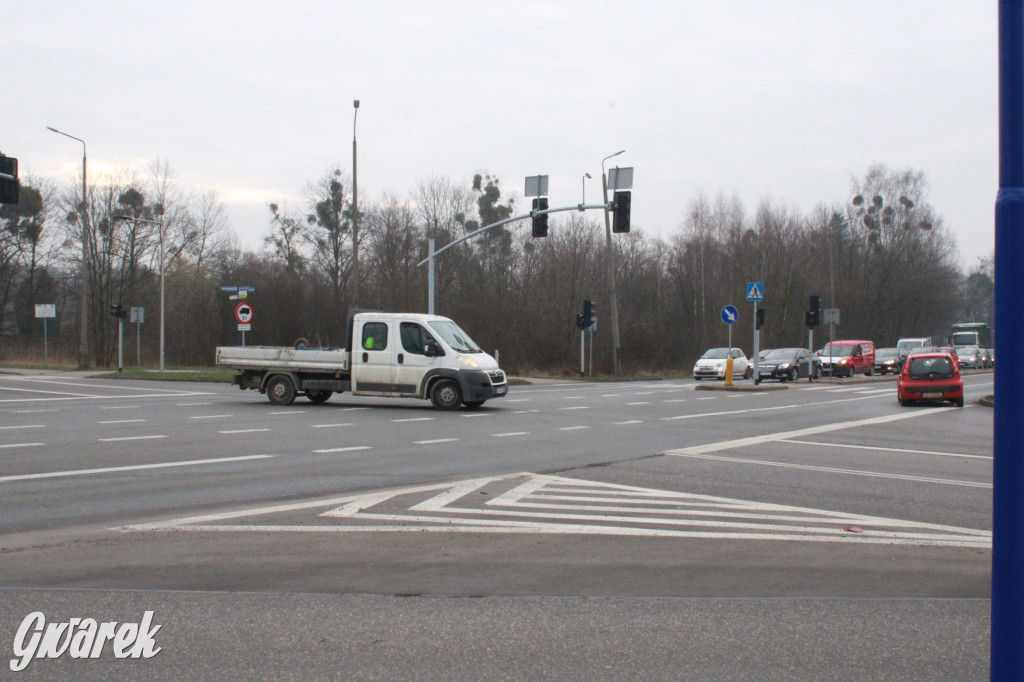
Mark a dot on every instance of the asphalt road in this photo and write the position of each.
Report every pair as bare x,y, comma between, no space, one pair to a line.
647,530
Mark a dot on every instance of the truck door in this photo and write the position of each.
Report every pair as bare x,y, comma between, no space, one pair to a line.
373,359
411,363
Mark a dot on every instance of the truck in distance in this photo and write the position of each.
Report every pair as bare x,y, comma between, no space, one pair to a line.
971,334
400,355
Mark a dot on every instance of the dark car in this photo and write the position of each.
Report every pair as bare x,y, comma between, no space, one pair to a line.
788,364
889,360
932,377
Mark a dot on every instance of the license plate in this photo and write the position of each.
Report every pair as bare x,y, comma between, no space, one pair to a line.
501,391
766,374
932,395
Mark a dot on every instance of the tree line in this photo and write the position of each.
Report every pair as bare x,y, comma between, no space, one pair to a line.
883,256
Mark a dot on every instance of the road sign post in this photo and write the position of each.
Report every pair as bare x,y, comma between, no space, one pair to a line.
46,311
755,293
729,316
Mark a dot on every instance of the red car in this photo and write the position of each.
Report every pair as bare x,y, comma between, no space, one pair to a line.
930,377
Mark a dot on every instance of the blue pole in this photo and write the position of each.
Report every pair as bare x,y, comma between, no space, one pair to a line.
1008,469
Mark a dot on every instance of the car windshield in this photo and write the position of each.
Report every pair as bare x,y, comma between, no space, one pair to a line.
781,355
966,350
839,351
715,354
886,354
931,368
454,336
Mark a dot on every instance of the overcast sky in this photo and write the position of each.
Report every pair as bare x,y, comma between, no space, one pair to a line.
767,99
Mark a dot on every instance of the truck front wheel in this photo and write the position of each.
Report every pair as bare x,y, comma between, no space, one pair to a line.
281,390
446,395
318,396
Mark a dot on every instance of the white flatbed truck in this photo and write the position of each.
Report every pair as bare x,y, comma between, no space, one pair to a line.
400,355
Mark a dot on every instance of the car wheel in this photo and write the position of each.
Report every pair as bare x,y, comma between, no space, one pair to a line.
281,390
794,375
749,373
697,378
474,404
446,395
959,402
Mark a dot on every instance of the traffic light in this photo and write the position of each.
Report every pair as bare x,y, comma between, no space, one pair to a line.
760,318
622,200
812,318
588,314
8,187
115,310
540,222
815,303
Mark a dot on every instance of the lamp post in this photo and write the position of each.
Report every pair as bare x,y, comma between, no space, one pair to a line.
160,223
583,198
614,308
355,211
83,288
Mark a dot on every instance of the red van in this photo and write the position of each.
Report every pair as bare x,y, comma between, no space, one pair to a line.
846,358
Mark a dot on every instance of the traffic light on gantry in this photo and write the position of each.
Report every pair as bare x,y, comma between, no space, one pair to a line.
8,180
620,211
540,222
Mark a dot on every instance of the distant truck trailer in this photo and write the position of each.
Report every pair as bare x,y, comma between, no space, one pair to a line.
971,334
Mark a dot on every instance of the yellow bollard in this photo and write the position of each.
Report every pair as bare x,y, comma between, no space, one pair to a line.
728,371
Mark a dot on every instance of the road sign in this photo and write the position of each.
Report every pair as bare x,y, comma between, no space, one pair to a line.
244,327
243,313
46,310
138,315
830,316
755,291
729,314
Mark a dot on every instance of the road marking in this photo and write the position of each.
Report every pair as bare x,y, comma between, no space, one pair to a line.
244,431
675,400
331,426
474,415
834,470
435,441
285,412
871,447
708,398
631,421
784,435
190,404
33,411
640,403
532,503
349,449
575,407
517,400
413,419
22,445
213,416
573,428
123,421
114,440
510,434
119,407
138,467
23,426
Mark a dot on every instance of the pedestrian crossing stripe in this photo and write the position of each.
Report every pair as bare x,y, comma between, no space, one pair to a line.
536,503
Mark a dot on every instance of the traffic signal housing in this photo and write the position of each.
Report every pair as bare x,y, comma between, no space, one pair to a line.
812,318
760,318
620,212
587,318
116,311
540,222
8,180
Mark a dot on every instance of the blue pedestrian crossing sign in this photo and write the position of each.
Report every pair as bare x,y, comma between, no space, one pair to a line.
755,291
729,314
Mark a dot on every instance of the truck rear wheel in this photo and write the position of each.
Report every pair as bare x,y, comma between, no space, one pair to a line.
281,390
318,396
446,395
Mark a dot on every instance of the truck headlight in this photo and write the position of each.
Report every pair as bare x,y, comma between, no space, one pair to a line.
468,361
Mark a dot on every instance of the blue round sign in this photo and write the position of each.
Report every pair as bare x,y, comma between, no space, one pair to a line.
730,314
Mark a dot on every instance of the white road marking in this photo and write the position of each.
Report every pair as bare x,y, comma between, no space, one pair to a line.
114,440
213,416
191,404
33,411
784,435
631,421
640,403
575,407
331,426
349,449
285,412
552,504
435,441
243,431
23,426
871,447
573,428
413,419
675,400
22,445
474,415
123,421
510,434
138,467
119,407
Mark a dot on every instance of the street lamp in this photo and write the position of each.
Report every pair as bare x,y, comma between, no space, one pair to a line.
613,307
583,199
161,224
83,288
355,211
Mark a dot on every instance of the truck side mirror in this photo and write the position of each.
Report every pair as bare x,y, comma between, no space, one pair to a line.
432,350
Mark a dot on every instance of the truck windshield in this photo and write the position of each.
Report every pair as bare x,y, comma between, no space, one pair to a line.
454,336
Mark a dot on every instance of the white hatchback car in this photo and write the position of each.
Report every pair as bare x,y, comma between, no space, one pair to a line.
711,365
